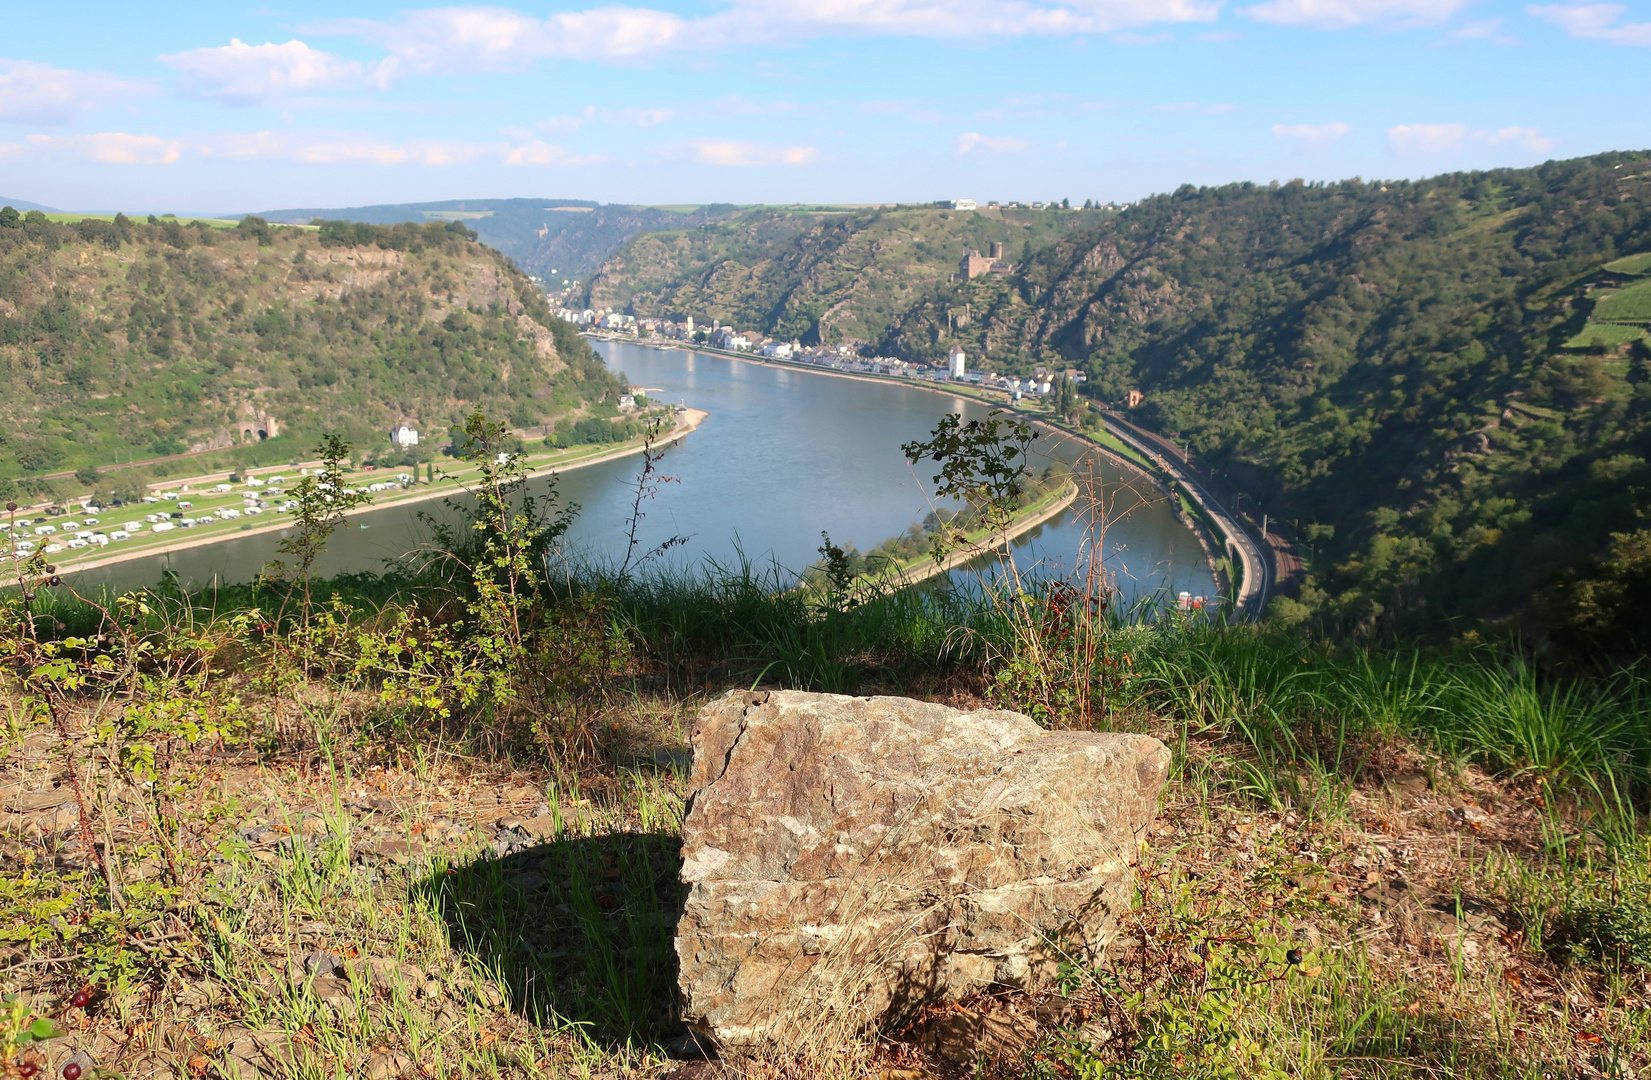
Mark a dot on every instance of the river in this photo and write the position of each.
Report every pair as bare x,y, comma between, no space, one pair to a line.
784,454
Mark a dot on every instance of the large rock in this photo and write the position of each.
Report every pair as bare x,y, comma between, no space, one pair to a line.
852,858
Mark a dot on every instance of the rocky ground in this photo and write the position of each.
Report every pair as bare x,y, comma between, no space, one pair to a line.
366,914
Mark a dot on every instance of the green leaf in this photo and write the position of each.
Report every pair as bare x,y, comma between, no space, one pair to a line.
43,1029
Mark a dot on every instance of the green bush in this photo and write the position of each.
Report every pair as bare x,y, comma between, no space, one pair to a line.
1614,932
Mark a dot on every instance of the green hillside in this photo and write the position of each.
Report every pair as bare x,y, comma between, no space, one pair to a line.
1400,372
552,239
818,276
126,340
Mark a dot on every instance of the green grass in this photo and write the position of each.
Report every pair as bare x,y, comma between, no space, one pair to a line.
1632,304
1631,264
1607,334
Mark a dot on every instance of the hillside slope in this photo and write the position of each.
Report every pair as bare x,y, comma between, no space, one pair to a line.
1407,373
133,340
551,239
819,276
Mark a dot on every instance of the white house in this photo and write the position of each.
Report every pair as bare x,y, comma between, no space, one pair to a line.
627,401
779,350
959,366
404,435
963,204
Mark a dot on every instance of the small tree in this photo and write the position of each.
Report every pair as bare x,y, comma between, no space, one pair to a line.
983,463
322,500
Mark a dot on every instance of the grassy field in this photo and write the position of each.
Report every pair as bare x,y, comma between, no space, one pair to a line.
1607,334
1632,304
67,218
199,511
1632,264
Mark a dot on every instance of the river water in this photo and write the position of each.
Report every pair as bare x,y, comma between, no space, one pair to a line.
784,454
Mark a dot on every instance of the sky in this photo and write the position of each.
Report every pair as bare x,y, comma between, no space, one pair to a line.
207,108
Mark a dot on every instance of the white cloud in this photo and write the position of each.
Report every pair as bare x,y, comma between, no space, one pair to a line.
242,74
294,147
1340,14
1426,138
996,144
1196,108
1596,22
1526,136
1484,30
455,40
728,152
33,93
103,148
330,148
1311,134
1437,138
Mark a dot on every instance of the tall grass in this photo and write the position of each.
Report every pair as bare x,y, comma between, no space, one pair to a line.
1298,713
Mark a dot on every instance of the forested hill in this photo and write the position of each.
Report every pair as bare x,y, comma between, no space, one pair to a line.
821,276
129,340
1441,386
552,239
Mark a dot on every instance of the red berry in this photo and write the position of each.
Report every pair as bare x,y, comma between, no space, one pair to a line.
27,1069
606,901
80,998
71,1071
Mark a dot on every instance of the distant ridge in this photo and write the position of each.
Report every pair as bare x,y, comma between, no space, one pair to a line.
24,204
548,244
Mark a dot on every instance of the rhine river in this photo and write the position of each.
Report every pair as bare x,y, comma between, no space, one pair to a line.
784,454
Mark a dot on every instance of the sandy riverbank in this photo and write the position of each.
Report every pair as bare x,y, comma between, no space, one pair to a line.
687,421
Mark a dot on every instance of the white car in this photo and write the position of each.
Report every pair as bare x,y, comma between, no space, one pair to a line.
69,525
254,510
89,521
229,512
77,543
100,540
151,498
224,487
171,496
186,506
44,530
165,526
83,534
253,481
52,548
133,526
119,534
152,518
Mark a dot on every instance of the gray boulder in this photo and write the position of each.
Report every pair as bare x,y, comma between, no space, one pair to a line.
850,859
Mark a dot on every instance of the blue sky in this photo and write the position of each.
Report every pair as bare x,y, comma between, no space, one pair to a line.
198,107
